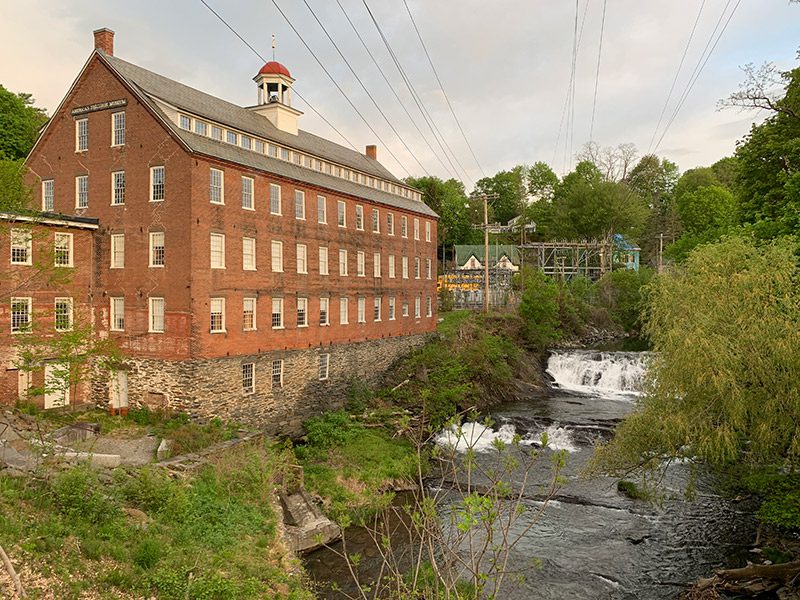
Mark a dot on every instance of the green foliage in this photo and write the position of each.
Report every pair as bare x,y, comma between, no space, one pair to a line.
726,331
146,553
542,182
450,202
539,310
510,189
331,429
15,196
707,207
621,293
79,495
768,167
631,490
20,122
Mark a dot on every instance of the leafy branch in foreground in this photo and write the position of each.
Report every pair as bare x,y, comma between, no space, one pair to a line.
455,538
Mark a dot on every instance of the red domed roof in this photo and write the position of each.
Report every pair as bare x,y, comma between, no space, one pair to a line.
274,68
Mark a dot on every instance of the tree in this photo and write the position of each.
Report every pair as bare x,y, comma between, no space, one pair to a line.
510,189
20,122
587,206
654,179
725,328
768,170
708,207
542,182
613,163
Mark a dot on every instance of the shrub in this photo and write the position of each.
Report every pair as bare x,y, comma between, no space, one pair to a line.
539,310
621,293
79,495
331,429
147,553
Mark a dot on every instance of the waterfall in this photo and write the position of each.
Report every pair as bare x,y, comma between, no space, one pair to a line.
600,373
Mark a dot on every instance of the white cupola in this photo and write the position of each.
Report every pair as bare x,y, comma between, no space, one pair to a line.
275,97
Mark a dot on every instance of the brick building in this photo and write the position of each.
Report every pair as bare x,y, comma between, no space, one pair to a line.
245,267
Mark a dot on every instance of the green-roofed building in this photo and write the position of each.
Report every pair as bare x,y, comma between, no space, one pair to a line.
500,257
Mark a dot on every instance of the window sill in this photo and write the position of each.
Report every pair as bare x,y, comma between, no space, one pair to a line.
156,266
218,331
278,327
252,208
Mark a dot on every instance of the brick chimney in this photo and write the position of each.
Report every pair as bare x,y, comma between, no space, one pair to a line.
372,152
104,40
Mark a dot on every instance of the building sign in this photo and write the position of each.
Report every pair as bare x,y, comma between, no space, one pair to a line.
82,110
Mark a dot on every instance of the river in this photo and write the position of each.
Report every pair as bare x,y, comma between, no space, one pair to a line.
592,542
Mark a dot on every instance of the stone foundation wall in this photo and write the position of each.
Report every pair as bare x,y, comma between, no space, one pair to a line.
213,387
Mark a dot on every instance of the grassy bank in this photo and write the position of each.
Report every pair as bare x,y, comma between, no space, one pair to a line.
142,534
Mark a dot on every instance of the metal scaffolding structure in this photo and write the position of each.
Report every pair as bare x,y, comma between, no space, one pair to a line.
567,259
468,290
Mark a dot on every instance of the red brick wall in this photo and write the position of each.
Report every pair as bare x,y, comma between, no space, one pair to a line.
43,283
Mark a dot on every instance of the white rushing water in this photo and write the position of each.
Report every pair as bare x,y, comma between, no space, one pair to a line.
607,374
482,439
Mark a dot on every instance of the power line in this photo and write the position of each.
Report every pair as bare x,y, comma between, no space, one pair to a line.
394,92
597,73
677,72
296,93
338,87
441,87
699,70
366,91
417,98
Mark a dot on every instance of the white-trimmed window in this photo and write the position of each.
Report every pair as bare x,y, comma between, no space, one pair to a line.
390,223
185,122
247,193
157,184
216,132
428,307
81,191
246,142
284,153
302,312
417,307
63,249
277,313
391,266
376,221
274,199
200,127
21,247
376,309
376,264
344,309
359,217
405,267
362,310
20,314
249,254
405,309
272,150
324,311
277,373
300,205
117,188
392,304
277,256
118,128
117,250
428,268
416,228
323,260
342,262
322,210
232,137
248,378
324,366
217,308
302,259
427,231
48,195
249,314
416,267
63,314
117,313
341,214
156,316
217,187
404,226
217,250
361,269
81,135
157,251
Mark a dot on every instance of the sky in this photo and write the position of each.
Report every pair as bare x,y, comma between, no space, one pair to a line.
505,66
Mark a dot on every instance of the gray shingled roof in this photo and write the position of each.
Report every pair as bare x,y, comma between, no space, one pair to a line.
204,105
